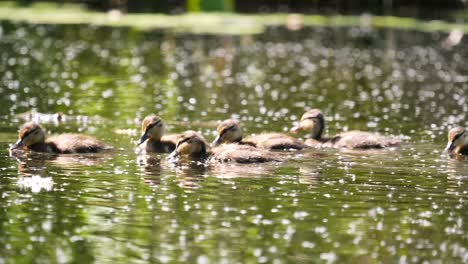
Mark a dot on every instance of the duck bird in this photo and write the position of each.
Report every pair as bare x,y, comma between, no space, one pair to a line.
230,131
313,121
153,138
457,141
32,137
191,144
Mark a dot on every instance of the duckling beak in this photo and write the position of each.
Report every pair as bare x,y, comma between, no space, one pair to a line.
217,141
450,147
143,138
174,154
295,129
17,145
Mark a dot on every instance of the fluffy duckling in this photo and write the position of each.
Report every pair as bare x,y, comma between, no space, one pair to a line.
457,141
193,145
153,136
314,122
190,144
230,131
32,137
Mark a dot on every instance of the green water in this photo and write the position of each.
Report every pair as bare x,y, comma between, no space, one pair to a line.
407,205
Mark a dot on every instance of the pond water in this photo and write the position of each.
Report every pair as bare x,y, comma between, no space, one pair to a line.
407,205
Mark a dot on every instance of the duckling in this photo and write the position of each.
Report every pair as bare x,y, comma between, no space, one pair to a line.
153,136
190,144
230,131
193,145
32,137
314,121
457,141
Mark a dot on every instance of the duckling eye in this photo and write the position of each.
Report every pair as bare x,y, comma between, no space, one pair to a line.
157,123
309,119
183,141
30,133
227,129
457,137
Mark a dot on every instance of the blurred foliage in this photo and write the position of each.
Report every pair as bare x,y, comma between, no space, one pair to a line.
210,5
412,8
219,23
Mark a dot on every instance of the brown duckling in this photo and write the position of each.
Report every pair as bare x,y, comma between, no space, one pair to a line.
190,144
457,141
314,122
153,136
193,145
230,131
32,137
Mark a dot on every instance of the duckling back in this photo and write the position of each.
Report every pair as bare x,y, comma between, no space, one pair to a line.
356,140
74,143
365,140
275,141
241,153
166,144
463,150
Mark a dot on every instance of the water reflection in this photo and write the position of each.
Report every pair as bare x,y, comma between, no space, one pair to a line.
151,164
36,183
34,168
57,118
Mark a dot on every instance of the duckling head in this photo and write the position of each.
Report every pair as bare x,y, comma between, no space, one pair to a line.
228,131
29,134
152,127
191,144
312,121
457,137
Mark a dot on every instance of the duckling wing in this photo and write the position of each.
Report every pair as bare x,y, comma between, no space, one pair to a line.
463,150
169,142
364,140
242,154
76,143
275,141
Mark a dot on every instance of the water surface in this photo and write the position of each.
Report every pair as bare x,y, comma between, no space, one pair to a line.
407,205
